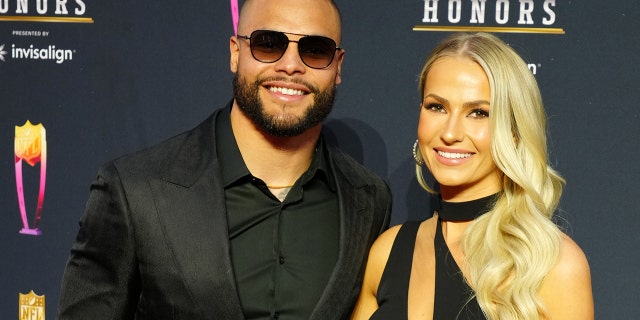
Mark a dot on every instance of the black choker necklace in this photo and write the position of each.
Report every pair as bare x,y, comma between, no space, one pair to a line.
465,211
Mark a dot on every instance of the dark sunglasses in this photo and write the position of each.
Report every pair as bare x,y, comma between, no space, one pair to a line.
269,46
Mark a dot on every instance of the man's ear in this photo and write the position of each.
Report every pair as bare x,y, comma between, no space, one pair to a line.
339,58
234,53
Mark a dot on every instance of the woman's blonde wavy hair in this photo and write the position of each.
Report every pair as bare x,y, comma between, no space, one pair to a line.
509,251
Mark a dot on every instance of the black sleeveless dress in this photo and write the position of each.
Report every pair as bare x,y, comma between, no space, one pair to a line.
454,299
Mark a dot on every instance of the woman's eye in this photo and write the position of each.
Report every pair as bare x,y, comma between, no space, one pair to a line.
479,113
436,107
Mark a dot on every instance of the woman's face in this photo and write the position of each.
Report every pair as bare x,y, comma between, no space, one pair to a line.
453,130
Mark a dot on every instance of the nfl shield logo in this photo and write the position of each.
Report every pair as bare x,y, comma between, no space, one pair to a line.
31,306
28,142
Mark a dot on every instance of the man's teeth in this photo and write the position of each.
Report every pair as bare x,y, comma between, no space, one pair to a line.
451,155
290,92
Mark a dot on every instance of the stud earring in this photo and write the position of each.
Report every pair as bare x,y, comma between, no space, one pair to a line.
416,153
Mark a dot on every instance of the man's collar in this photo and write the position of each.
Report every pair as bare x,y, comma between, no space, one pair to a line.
234,169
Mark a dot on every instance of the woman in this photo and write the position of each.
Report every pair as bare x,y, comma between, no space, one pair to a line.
491,251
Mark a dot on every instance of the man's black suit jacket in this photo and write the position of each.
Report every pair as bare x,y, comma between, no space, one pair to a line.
153,242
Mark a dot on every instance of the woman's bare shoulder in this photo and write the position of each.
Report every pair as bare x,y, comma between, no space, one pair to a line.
381,248
566,290
572,259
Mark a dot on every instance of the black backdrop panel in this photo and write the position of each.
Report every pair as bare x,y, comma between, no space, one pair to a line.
137,72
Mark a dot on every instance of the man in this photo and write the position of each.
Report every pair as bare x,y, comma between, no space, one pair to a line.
249,215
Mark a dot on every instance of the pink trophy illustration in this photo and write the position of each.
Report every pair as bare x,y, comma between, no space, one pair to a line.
31,147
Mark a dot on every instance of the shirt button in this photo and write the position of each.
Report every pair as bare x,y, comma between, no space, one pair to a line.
281,260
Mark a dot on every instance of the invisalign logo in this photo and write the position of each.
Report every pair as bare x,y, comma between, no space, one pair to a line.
49,53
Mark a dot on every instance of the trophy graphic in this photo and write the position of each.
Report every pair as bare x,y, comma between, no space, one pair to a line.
31,147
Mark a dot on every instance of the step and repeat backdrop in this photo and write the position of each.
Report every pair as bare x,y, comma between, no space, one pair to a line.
84,81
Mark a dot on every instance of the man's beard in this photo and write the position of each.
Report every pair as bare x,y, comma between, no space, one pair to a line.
248,99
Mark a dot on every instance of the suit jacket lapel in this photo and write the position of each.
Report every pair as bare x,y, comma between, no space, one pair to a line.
355,236
191,207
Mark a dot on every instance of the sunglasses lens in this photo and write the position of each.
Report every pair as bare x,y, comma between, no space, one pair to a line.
268,46
316,51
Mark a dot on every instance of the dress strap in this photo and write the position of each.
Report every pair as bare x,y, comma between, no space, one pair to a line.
393,291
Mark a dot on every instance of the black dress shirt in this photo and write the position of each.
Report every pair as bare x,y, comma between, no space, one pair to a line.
282,252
